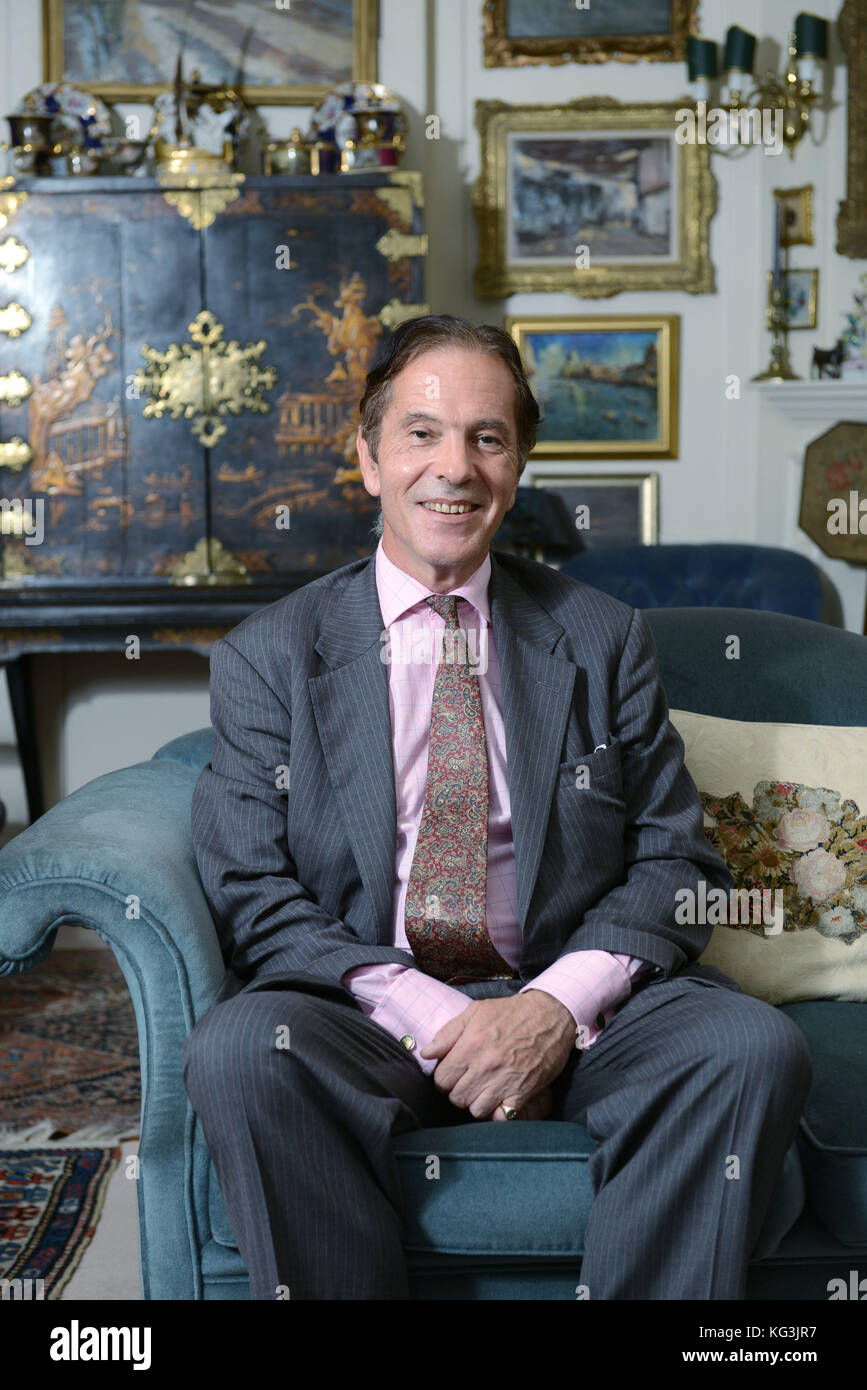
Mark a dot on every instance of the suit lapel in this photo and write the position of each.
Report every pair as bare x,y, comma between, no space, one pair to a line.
350,705
537,695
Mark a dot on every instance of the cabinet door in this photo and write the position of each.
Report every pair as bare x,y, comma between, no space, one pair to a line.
121,496
295,264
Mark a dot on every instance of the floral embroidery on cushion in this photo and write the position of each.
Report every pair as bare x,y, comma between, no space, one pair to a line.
803,840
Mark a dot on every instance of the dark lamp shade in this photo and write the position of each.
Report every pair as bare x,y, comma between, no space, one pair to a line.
701,57
740,50
539,520
811,36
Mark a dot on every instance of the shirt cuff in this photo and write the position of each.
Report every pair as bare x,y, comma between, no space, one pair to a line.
592,985
407,1003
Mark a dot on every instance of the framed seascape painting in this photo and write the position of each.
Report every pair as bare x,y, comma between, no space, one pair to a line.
289,54
608,508
592,198
518,32
607,386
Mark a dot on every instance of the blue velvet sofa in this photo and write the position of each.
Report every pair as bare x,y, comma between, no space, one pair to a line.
492,1227
728,574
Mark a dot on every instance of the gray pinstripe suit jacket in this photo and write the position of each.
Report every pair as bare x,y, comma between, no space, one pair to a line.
300,878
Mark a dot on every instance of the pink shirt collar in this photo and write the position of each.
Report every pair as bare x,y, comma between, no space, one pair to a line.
399,591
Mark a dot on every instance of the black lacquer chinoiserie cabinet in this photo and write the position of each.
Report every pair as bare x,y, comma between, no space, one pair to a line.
180,372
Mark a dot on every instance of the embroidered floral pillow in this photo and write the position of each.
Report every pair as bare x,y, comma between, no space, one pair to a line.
786,806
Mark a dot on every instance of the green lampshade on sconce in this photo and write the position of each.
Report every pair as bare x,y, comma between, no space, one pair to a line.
740,50
811,46
811,36
701,58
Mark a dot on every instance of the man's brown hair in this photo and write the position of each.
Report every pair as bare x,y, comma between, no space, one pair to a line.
415,336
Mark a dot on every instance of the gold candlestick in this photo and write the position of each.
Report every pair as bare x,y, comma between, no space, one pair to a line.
779,368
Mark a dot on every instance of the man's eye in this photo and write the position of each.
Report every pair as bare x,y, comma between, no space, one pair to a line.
489,439
420,431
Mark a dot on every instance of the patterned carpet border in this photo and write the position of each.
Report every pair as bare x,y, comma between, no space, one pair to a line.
50,1202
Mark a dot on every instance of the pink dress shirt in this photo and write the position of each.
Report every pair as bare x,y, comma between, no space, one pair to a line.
403,999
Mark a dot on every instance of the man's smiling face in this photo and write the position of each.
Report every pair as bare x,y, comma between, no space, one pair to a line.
448,437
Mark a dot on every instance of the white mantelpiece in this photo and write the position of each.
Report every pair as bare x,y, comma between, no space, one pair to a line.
822,402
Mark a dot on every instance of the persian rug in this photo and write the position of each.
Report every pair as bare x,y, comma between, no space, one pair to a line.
69,1057
50,1202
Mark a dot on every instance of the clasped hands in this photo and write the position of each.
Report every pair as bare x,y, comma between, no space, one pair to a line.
504,1052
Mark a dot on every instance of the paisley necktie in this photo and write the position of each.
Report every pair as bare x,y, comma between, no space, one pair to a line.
444,914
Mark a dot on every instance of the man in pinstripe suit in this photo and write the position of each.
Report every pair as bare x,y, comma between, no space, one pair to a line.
344,1018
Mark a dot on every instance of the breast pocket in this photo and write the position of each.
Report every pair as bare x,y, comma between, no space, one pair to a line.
596,769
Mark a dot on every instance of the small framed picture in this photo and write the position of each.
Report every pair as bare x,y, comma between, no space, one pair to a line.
796,215
608,508
800,297
606,385
518,32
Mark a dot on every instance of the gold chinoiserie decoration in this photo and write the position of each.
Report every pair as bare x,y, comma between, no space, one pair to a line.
399,200
14,319
411,179
13,254
15,453
209,563
10,201
396,245
205,382
395,313
198,183
16,521
14,388
15,566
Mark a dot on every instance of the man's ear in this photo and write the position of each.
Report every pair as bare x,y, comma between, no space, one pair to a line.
368,465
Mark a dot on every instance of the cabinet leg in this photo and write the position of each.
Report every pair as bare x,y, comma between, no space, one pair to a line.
18,674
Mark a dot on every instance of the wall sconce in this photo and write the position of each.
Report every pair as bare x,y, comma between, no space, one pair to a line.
788,99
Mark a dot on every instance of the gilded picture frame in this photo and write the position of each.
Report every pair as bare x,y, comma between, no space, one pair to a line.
607,385
504,48
56,58
656,240
800,298
852,210
796,220
624,507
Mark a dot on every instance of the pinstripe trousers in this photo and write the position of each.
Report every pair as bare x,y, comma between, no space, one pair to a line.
299,1095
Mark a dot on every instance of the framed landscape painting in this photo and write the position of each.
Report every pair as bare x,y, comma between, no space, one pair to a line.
126,50
608,508
519,32
607,386
593,197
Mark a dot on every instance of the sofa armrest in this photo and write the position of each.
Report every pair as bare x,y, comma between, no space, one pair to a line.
117,856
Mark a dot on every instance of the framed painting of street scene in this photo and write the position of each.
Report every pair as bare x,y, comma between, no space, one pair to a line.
592,198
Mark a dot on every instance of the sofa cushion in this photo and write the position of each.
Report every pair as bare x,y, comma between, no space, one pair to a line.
510,1191
786,806
833,1137
524,1189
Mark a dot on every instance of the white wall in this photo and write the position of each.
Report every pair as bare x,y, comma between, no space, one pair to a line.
737,475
